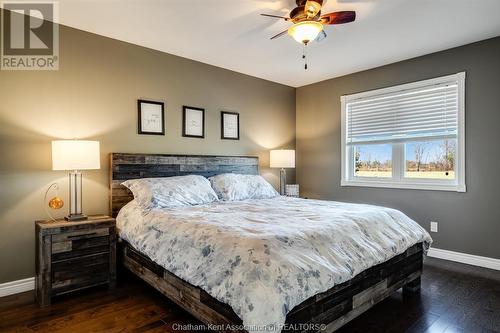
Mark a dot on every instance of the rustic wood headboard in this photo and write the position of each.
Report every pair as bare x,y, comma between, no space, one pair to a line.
125,166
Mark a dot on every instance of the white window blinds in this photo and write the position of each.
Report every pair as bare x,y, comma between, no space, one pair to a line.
412,114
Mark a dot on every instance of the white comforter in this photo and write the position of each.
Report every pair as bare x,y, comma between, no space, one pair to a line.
263,257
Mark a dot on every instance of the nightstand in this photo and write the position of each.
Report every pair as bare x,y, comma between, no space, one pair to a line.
74,255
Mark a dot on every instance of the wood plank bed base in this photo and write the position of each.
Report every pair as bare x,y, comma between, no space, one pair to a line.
332,309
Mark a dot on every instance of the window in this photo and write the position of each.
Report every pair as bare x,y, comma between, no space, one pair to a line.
373,160
408,136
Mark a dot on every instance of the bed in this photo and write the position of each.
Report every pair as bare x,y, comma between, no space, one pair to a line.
215,260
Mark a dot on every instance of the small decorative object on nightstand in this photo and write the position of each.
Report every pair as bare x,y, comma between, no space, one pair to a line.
74,255
282,158
292,190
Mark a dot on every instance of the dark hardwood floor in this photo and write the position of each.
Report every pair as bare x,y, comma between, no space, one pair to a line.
454,298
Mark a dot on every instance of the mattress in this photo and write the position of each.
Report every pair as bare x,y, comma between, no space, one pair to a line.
264,257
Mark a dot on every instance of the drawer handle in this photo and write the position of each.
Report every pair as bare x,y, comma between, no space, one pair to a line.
75,236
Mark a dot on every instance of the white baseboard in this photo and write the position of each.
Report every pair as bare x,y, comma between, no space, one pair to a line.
16,287
465,258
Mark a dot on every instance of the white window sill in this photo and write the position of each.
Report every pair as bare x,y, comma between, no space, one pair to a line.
411,186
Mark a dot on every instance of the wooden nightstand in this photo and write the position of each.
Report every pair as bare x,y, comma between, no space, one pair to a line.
74,255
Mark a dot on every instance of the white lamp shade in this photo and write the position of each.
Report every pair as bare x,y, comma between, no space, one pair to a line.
282,158
75,155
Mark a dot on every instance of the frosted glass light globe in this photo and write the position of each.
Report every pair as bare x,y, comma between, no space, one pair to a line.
306,31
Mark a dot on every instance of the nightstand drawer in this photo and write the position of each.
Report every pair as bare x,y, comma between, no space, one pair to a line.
79,248
80,282
90,269
81,234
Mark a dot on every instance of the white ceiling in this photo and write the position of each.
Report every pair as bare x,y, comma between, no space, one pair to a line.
231,33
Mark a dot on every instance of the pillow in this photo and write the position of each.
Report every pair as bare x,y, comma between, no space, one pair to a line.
231,186
171,191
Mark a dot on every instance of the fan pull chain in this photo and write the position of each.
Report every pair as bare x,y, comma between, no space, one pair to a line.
304,56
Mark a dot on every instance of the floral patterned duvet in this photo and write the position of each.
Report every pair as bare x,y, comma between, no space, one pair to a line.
263,257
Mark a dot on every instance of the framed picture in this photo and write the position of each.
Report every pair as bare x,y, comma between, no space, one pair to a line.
230,125
151,117
193,122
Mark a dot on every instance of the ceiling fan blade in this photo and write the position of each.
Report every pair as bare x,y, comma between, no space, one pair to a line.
280,34
322,35
277,16
338,17
312,8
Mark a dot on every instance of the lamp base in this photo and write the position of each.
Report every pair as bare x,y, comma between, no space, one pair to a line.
75,198
75,217
282,181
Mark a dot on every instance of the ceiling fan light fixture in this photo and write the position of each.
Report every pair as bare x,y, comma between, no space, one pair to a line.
304,32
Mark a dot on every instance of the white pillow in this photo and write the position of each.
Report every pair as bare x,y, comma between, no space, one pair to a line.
171,191
231,186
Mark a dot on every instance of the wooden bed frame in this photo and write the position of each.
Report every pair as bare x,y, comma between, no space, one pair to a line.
333,308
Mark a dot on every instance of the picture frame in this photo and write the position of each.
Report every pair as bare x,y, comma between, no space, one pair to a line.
151,117
193,122
230,125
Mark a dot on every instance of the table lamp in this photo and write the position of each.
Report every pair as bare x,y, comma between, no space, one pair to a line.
75,155
282,158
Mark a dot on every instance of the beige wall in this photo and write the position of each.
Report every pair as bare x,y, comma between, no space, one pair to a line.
468,222
94,96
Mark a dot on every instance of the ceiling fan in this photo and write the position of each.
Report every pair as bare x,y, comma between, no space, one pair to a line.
308,22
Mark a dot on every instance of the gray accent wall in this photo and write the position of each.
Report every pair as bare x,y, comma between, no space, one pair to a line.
94,96
468,222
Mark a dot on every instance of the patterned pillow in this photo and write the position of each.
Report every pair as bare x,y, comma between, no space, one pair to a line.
231,187
171,191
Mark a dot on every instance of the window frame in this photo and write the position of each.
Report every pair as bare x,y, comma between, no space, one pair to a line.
398,180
